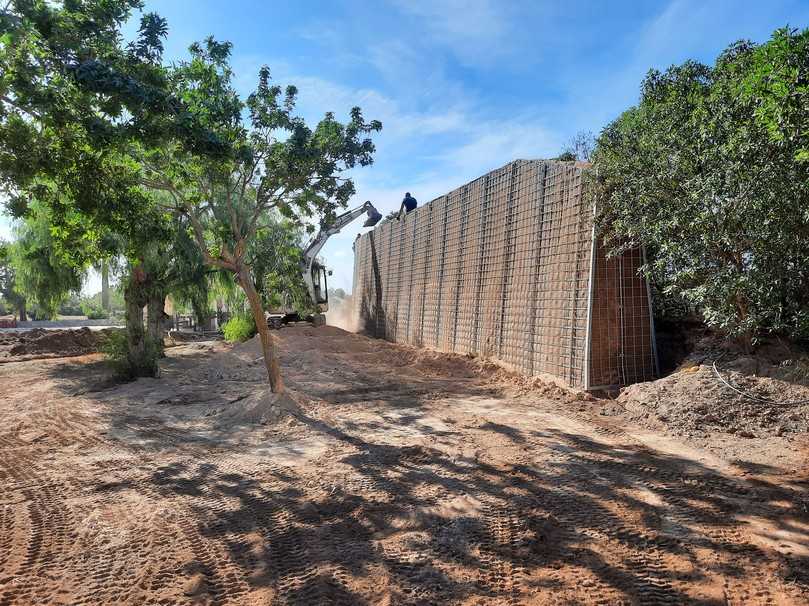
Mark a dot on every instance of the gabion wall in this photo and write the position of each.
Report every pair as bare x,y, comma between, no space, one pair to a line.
507,267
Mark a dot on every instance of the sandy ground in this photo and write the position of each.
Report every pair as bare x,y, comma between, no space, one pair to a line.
392,477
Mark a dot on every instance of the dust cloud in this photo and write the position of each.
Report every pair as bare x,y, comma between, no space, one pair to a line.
341,314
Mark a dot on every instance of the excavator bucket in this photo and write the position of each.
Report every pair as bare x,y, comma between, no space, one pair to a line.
374,217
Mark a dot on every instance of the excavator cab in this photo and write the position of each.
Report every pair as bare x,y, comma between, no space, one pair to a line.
321,289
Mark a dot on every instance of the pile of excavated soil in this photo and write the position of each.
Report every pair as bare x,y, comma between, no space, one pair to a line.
262,407
759,395
41,343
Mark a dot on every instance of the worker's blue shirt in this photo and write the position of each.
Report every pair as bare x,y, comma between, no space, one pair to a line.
410,203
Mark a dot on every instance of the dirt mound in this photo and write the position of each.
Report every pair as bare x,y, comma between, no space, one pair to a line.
42,343
725,390
261,407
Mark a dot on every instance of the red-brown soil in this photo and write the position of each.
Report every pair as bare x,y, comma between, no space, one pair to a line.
39,343
389,476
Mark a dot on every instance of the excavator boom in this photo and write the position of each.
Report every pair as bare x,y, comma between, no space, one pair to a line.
314,274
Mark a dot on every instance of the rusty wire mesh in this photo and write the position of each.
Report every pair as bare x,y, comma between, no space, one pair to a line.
503,267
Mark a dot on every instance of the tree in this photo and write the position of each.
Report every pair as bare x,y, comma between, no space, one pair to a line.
8,282
278,164
694,174
275,256
580,148
777,82
42,275
74,99
105,285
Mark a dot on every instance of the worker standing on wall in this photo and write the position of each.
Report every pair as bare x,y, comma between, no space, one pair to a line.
408,204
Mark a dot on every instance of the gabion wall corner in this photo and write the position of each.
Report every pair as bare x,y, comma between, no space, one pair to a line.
508,267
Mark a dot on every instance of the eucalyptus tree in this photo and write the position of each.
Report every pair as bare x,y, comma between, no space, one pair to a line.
278,164
707,175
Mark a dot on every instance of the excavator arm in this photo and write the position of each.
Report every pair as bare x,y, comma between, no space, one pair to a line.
314,274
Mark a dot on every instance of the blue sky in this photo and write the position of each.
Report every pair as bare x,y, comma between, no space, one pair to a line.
463,87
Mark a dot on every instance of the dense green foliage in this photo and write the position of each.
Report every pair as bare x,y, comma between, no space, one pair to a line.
75,99
90,305
275,259
71,96
42,275
239,328
708,173
115,348
776,80
13,300
278,162
93,312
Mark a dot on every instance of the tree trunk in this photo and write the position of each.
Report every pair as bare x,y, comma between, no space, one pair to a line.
201,314
139,361
105,285
154,317
21,311
267,344
745,339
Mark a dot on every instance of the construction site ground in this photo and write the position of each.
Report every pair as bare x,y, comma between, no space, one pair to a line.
389,475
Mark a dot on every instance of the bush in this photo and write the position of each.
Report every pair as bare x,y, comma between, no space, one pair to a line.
239,328
701,174
93,312
116,349
71,307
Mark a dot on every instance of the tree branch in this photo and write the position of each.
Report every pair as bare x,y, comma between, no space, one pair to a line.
199,236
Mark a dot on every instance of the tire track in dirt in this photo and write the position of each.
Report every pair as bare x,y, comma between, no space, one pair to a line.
712,525
638,552
605,524
714,530
500,576
222,578
53,527
377,522
49,531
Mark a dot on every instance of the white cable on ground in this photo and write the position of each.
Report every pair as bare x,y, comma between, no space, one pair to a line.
746,394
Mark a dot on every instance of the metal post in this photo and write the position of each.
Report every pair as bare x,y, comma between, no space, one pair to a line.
508,253
575,289
541,174
459,281
652,334
412,271
588,347
441,270
484,218
427,260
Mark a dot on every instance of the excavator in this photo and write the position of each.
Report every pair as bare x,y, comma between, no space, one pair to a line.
314,273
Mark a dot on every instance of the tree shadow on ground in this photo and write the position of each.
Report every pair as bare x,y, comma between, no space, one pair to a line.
560,515
382,522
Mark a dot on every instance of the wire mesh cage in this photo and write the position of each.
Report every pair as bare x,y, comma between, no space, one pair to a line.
508,267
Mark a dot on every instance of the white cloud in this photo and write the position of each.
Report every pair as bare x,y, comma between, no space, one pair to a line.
476,31
495,143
